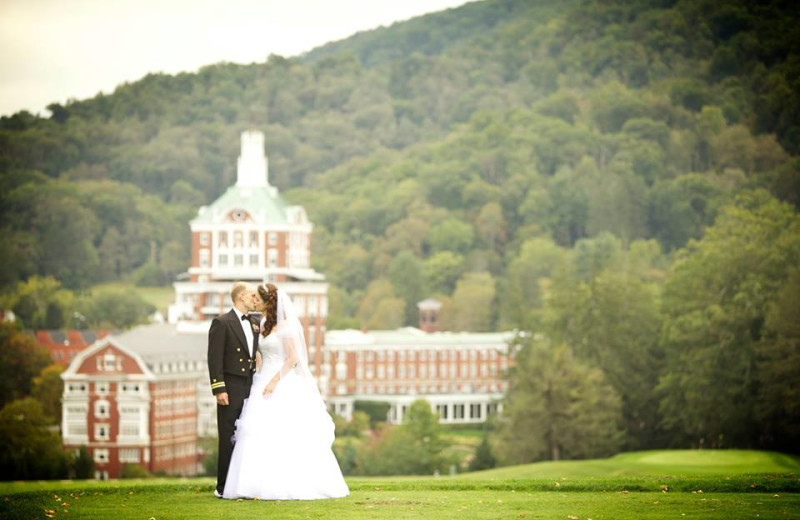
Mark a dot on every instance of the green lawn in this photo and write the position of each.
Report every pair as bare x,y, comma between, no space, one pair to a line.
706,485
160,297
654,463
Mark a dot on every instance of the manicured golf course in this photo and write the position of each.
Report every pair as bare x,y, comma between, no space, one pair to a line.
654,484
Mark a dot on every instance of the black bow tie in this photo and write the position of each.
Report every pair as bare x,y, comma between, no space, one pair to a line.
245,317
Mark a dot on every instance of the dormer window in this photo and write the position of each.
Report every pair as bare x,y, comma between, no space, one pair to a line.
108,363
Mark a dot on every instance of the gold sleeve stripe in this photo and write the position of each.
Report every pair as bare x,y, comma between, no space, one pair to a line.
218,385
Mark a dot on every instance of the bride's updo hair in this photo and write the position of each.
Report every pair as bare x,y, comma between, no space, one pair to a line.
269,295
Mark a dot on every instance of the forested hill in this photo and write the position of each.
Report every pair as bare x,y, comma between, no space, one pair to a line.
469,26
621,176
453,138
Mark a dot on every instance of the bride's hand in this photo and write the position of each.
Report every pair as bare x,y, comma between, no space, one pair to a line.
270,387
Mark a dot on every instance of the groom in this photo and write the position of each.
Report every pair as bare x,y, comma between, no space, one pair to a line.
231,363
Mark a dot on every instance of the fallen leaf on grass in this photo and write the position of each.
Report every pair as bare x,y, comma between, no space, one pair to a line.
572,517
624,492
776,495
558,484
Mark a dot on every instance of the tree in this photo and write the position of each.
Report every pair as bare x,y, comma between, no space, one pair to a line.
680,209
21,360
380,309
492,226
48,387
779,369
442,270
41,303
716,300
615,327
413,448
557,408
405,273
452,235
483,458
523,298
115,308
83,464
30,449
472,308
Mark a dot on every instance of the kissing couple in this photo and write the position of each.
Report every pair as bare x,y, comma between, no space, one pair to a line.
275,433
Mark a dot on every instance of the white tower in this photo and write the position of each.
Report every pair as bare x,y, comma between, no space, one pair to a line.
252,166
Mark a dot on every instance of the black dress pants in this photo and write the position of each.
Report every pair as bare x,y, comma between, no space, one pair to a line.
238,390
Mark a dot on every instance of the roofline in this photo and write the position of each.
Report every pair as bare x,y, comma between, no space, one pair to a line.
72,370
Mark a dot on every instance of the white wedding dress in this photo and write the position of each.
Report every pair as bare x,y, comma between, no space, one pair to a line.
283,440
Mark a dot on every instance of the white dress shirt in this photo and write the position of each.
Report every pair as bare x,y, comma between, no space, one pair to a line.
247,326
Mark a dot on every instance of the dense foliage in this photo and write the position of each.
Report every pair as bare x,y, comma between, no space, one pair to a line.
622,176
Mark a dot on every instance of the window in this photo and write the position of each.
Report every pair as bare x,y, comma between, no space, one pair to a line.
475,411
272,238
102,432
458,411
205,257
129,455
238,240
204,239
102,388
253,259
223,260
238,260
272,257
101,409
108,362
76,388
101,455
254,239
223,239
130,388
101,475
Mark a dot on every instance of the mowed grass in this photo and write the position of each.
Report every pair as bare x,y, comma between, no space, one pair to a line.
654,463
160,297
653,485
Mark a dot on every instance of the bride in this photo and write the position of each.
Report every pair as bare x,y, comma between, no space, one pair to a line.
284,433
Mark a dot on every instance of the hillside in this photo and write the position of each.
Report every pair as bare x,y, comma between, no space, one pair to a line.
622,176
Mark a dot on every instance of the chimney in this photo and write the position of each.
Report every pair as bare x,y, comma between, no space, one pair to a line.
429,315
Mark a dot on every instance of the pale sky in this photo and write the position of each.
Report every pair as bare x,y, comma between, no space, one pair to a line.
55,50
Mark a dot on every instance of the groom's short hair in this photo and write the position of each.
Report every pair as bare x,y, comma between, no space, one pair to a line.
237,289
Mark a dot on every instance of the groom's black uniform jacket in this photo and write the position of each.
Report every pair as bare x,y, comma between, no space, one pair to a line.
228,354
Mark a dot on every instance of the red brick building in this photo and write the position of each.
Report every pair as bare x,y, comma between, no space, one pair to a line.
135,407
